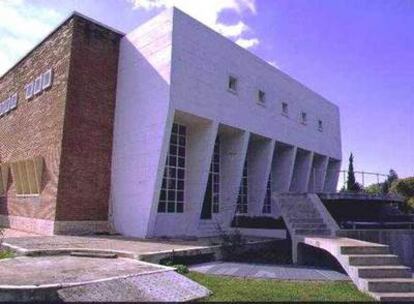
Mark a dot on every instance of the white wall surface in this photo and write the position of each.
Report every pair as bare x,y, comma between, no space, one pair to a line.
201,63
173,66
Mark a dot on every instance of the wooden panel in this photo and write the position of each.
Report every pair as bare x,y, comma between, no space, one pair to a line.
4,176
31,177
16,178
23,177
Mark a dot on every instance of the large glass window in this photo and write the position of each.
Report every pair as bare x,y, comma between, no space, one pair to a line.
212,195
172,189
242,200
215,177
267,205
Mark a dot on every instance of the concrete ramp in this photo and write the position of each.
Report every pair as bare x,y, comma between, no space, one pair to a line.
371,266
85,278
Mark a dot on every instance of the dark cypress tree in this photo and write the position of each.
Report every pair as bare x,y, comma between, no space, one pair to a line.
351,184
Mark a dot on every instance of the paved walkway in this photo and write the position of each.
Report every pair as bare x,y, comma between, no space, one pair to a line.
280,272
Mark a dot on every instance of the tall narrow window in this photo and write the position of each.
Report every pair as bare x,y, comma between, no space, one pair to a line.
215,175
267,205
211,203
232,85
172,189
304,118
320,125
261,97
285,108
242,200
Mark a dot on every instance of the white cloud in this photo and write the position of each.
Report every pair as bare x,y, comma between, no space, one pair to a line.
22,25
247,43
208,12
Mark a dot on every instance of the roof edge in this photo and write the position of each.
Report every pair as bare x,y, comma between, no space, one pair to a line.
66,19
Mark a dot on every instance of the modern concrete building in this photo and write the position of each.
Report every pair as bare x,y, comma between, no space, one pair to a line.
168,130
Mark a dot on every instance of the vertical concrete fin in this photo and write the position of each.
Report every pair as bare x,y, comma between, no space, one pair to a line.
234,151
332,175
301,171
259,155
201,146
282,167
318,173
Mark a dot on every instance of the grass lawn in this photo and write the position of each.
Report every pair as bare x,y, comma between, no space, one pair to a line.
5,254
238,289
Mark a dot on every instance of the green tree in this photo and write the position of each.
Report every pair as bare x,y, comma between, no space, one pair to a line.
351,184
392,177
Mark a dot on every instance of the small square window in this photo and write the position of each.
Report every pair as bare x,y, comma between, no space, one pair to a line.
320,125
6,105
285,108
38,85
2,107
232,85
47,79
304,118
13,102
28,89
261,96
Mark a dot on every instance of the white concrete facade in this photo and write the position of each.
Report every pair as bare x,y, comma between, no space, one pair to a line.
174,70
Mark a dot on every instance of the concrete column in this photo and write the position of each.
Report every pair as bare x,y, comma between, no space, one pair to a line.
301,171
259,160
282,167
317,177
234,145
332,175
200,147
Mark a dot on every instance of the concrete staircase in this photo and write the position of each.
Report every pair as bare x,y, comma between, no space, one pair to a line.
303,217
371,266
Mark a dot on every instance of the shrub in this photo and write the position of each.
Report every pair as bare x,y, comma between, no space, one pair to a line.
231,244
181,269
5,254
405,188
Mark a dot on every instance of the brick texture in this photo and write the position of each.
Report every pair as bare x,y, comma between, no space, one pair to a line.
35,127
85,170
69,125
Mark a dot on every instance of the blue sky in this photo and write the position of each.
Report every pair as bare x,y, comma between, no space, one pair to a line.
358,54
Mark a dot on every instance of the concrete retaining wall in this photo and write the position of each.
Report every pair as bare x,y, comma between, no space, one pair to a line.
270,233
401,241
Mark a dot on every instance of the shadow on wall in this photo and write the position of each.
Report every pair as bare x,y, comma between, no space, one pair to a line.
142,122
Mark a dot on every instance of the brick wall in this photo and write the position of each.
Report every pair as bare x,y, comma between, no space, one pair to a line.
69,125
35,127
85,169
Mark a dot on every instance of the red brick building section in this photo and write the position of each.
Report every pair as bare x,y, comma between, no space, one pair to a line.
69,125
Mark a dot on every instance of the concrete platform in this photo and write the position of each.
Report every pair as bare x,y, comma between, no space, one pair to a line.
152,250
74,278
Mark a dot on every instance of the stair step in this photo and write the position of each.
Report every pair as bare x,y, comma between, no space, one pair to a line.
312,231
365,249
394,296
94,254
376,272
391,285
373,259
